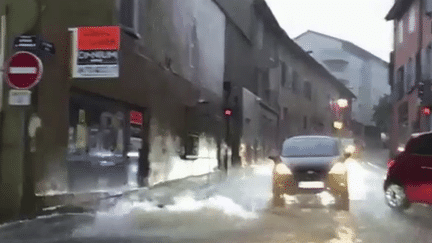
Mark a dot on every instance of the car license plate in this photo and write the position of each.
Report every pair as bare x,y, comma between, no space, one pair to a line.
103,182
311,184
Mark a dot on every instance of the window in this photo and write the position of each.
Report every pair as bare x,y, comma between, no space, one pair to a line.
305,122
96,129
283,76
336,65
308,90
136,133
285,114
129,15
412,19
400,32
193,50
260,35
344,82
422,59
266,84
295,82
191,146
421,145
274,49
408,75
400,82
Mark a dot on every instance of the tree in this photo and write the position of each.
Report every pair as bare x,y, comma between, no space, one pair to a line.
383,113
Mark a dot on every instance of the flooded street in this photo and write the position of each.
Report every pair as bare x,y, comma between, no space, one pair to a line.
237,210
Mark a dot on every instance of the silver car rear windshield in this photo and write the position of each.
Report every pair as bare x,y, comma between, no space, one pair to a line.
310,147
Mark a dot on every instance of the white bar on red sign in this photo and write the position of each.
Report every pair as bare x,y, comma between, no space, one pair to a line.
22,70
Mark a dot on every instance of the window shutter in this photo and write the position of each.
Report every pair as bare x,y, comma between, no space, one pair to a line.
289,77
413,74
428,7
127,13
425,56
406,77
427,67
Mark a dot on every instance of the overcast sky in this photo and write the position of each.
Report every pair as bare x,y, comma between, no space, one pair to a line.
358,21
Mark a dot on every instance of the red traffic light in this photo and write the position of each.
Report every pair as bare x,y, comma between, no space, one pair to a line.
426,111
228,112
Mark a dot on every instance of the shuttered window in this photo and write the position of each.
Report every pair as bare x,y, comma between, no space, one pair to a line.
129,15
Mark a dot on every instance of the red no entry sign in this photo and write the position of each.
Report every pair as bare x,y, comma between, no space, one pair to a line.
23,70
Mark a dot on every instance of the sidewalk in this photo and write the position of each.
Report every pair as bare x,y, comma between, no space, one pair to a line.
92,201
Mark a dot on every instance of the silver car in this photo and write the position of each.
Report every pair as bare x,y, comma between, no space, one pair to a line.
311,164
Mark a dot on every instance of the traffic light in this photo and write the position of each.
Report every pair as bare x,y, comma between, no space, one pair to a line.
426,111
227,86
228,112
421,89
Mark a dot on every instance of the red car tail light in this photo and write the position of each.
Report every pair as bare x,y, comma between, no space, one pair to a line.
391,163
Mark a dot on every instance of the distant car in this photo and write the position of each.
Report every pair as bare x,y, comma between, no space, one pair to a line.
409,174
310,165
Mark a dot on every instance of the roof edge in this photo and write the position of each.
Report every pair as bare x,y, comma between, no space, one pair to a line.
344,41
297,50
398,9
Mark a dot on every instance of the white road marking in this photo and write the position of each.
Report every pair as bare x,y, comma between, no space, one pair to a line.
22,70
376,166
356,180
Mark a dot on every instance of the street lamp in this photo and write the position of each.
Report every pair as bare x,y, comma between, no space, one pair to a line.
342,103
338,125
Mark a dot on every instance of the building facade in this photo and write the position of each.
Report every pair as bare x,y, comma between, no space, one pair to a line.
362,72
410,69
155,112
260,59
159,117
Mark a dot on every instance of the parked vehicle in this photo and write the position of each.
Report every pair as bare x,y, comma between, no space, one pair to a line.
311,165
409,174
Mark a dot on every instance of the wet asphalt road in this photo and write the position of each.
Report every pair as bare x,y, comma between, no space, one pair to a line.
240,210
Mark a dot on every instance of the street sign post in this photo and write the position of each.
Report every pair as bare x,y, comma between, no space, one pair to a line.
24,70
26,42
19,97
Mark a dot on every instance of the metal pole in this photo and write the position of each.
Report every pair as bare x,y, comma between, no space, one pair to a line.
227,144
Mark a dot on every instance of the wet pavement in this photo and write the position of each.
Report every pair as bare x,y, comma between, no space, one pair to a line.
238,210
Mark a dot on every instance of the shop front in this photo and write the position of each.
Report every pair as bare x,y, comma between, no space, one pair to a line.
105,139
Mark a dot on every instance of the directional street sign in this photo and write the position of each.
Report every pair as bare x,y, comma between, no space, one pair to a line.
23,70
26,42
33,43
47,47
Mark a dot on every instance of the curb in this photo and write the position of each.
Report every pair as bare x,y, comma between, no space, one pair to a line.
91,201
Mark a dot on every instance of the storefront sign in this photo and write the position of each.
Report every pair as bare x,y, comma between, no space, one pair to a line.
99,38
95,52
136,118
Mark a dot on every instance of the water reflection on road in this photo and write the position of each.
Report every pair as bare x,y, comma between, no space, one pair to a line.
239,210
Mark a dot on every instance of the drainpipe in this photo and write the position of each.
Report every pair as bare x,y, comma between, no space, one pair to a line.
420,29
420,43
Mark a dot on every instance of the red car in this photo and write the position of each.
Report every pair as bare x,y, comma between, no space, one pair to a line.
409,175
